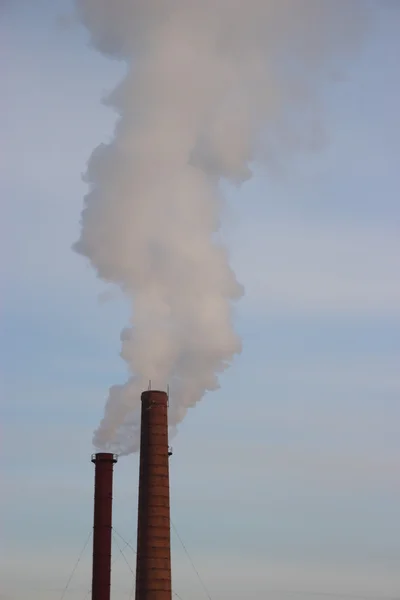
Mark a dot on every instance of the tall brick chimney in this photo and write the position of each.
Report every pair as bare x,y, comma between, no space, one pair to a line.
102,524
153,565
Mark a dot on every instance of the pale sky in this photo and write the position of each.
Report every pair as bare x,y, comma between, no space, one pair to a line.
286,482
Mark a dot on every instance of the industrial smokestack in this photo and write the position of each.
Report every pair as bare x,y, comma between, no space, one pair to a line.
102,524
153,566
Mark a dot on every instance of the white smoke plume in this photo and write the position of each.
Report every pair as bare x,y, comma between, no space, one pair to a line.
210,87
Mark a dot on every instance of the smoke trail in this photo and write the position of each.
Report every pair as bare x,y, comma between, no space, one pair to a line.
209,84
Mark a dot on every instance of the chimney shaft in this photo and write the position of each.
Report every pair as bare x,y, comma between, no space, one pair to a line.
102,524
153,565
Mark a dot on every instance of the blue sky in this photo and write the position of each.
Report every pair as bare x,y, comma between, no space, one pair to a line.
287,479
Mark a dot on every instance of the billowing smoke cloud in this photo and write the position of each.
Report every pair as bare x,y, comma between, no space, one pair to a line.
211,87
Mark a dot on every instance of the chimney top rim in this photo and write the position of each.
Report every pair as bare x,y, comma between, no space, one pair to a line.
104,457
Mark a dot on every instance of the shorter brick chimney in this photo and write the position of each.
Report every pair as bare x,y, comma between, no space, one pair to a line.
102,524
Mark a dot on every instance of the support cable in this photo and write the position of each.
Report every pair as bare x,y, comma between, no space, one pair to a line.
327,594
123,555
88,593
76,565
132,592
192,563
127,544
